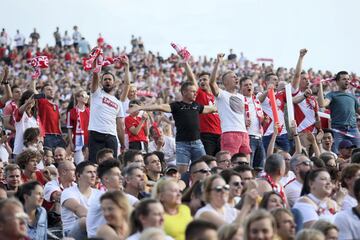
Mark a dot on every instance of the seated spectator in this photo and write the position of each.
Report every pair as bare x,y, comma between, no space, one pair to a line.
133,156
199,170
348,177
199,230
284,223
163,144
27,161
239,159
345,149
59,155
12,179
13,220
315,202
260,224
230,232
327,142
233,179
271,200
152,166
193,197
177,215
329,230
116,211
148,213
348,221
31,196
104,154
223,159
110,174
75,201
135,181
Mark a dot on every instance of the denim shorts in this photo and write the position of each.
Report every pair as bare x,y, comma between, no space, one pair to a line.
188,151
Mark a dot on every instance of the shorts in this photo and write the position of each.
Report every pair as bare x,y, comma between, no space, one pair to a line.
235,142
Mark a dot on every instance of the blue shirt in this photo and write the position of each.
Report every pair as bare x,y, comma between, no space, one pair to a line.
343,108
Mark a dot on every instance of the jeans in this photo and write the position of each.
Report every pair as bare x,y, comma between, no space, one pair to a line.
281,141
258,155
53,141
98,141
187,151
338,137
211,143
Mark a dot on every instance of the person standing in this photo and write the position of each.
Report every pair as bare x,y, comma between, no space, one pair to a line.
230,105
186,115
106,124
77,123
343,106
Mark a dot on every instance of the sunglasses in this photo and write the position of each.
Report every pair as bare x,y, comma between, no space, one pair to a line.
203,171
224,188
306,163
237,184
241,163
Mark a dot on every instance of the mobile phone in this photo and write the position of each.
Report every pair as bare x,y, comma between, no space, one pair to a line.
39,96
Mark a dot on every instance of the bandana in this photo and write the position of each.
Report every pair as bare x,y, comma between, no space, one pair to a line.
182,51
37,63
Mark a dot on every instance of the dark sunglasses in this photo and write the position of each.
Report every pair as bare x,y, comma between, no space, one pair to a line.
224,188
306,163
203,171
237,184
241,163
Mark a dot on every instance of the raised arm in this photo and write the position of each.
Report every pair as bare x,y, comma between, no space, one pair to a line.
323,102
296,81
271,146
302,97
126,79
154,107
213,85
4,80
190,74
293,130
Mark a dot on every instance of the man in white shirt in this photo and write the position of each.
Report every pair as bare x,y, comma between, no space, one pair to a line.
163,144
54,188
19,40
300,165
110,174
75,201
230,106
348,221
106,124
254,116
76,37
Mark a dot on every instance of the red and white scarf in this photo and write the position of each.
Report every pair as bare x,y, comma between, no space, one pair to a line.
182,51
37,63
258,110
276,187
97,56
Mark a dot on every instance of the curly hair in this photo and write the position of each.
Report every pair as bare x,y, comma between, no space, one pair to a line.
24,158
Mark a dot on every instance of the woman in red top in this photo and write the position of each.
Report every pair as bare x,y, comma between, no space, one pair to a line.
136,127
27,161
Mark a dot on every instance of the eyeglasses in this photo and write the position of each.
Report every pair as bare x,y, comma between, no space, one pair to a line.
224,188
306,163
203,171
224,160
237,184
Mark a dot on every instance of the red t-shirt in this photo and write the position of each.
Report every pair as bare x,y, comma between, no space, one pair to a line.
209,123
49,116
9,111
135,121
39,177
72,122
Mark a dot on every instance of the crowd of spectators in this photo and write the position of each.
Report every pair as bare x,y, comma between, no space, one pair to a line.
155,147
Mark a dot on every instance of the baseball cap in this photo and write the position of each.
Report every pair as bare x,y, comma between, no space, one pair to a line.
346,144
171,168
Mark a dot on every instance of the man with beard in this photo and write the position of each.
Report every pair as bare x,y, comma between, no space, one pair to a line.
300,165
49,115
343,106
106,115
135,181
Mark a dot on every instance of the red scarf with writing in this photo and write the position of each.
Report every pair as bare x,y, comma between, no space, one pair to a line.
37,63
258,110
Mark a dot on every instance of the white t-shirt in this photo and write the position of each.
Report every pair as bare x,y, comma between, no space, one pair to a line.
309,212
68,217
349,202
137,235
125,105
20,127
95,218
52,186
104,109
254,128
67,40
19,40
288,177
231,111
4,154
348,224
169,149
76,37
293,191
229,214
